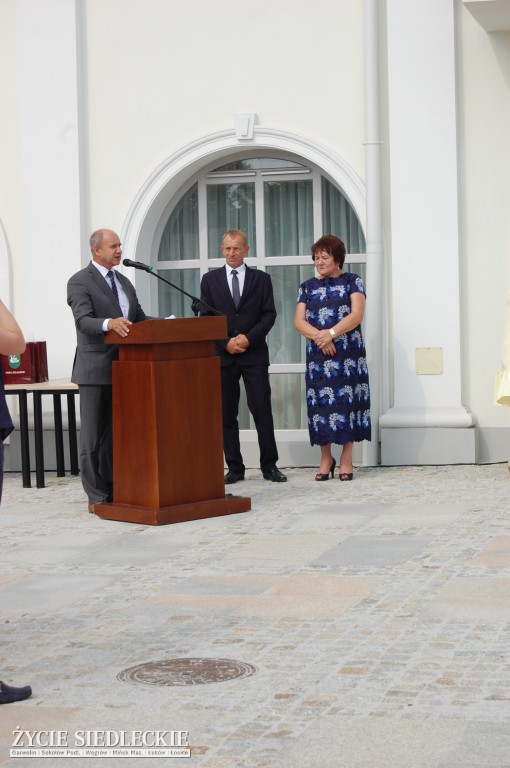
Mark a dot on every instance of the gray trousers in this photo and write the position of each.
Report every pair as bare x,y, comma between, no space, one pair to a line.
96,449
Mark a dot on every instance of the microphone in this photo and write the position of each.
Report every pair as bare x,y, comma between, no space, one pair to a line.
196,305
137,265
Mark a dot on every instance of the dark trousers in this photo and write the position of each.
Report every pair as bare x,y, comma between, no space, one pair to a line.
258,395
96,448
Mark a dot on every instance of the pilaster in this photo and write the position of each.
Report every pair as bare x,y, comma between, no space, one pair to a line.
427,423
51,195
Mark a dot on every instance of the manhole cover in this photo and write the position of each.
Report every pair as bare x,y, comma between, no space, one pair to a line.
186,671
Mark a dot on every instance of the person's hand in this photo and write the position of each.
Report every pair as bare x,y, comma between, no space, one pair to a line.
120,325
323,339
242,341
329,349
235,345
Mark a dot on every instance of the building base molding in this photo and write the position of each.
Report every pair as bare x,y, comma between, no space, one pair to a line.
294,449
493,445
406,446
428,436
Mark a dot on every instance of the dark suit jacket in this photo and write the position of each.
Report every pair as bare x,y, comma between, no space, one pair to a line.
255,315
92,301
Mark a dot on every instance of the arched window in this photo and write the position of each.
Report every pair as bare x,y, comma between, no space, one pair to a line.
283,204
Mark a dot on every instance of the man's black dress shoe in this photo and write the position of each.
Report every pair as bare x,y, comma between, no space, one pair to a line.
275,476
233,477
8,694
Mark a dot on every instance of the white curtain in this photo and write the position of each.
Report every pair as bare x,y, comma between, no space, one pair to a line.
339,218
230,206
288,213
170,300
180,236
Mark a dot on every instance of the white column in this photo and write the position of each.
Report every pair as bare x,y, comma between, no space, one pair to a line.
427,423
51,215
374,245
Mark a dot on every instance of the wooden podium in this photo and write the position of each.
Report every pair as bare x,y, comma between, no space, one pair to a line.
167,428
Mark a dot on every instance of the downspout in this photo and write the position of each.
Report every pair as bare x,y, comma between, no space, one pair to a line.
373,234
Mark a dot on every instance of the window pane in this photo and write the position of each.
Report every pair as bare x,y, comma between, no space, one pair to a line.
361,270
230,206
180,235
171,301
286,345
288,401
288,209
339,218
257,163
358,269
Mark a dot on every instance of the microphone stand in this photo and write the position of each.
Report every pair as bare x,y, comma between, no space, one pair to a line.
197,305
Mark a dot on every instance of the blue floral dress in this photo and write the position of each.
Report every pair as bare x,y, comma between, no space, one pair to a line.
337,390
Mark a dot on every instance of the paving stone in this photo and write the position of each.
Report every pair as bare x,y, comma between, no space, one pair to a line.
376,614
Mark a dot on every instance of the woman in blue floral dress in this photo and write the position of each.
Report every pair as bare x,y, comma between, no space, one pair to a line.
329,312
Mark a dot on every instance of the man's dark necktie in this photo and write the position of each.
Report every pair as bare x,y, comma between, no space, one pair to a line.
114,287
235,288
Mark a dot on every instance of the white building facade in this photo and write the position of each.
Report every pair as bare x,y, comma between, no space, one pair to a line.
386,123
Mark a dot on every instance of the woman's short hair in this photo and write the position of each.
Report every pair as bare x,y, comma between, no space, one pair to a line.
332,245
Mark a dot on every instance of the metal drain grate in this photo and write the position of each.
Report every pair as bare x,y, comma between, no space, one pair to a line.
187,671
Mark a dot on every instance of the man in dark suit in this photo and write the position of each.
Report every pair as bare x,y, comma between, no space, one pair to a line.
245,296
102,300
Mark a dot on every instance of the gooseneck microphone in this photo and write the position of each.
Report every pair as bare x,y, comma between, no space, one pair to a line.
197,305
137,265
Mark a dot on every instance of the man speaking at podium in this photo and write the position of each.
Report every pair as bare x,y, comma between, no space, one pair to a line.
101,300
245,297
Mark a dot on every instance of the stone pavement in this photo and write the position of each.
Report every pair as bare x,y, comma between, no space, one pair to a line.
374,616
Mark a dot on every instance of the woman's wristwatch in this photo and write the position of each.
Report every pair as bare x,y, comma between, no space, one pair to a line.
332,332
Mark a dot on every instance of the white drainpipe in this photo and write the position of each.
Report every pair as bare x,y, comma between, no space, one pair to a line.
374,245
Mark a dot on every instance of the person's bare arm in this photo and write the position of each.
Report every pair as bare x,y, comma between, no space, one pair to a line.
12,341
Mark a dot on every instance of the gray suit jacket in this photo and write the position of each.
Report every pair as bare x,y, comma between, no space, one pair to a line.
92,301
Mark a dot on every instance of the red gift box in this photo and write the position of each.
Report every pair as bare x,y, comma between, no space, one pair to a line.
28,368
41,361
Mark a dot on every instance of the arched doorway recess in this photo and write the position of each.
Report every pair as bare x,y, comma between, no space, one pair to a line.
145,220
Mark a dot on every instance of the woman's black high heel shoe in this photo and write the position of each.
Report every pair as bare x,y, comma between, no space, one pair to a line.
320,476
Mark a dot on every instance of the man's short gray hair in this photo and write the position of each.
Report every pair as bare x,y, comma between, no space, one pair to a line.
96,238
